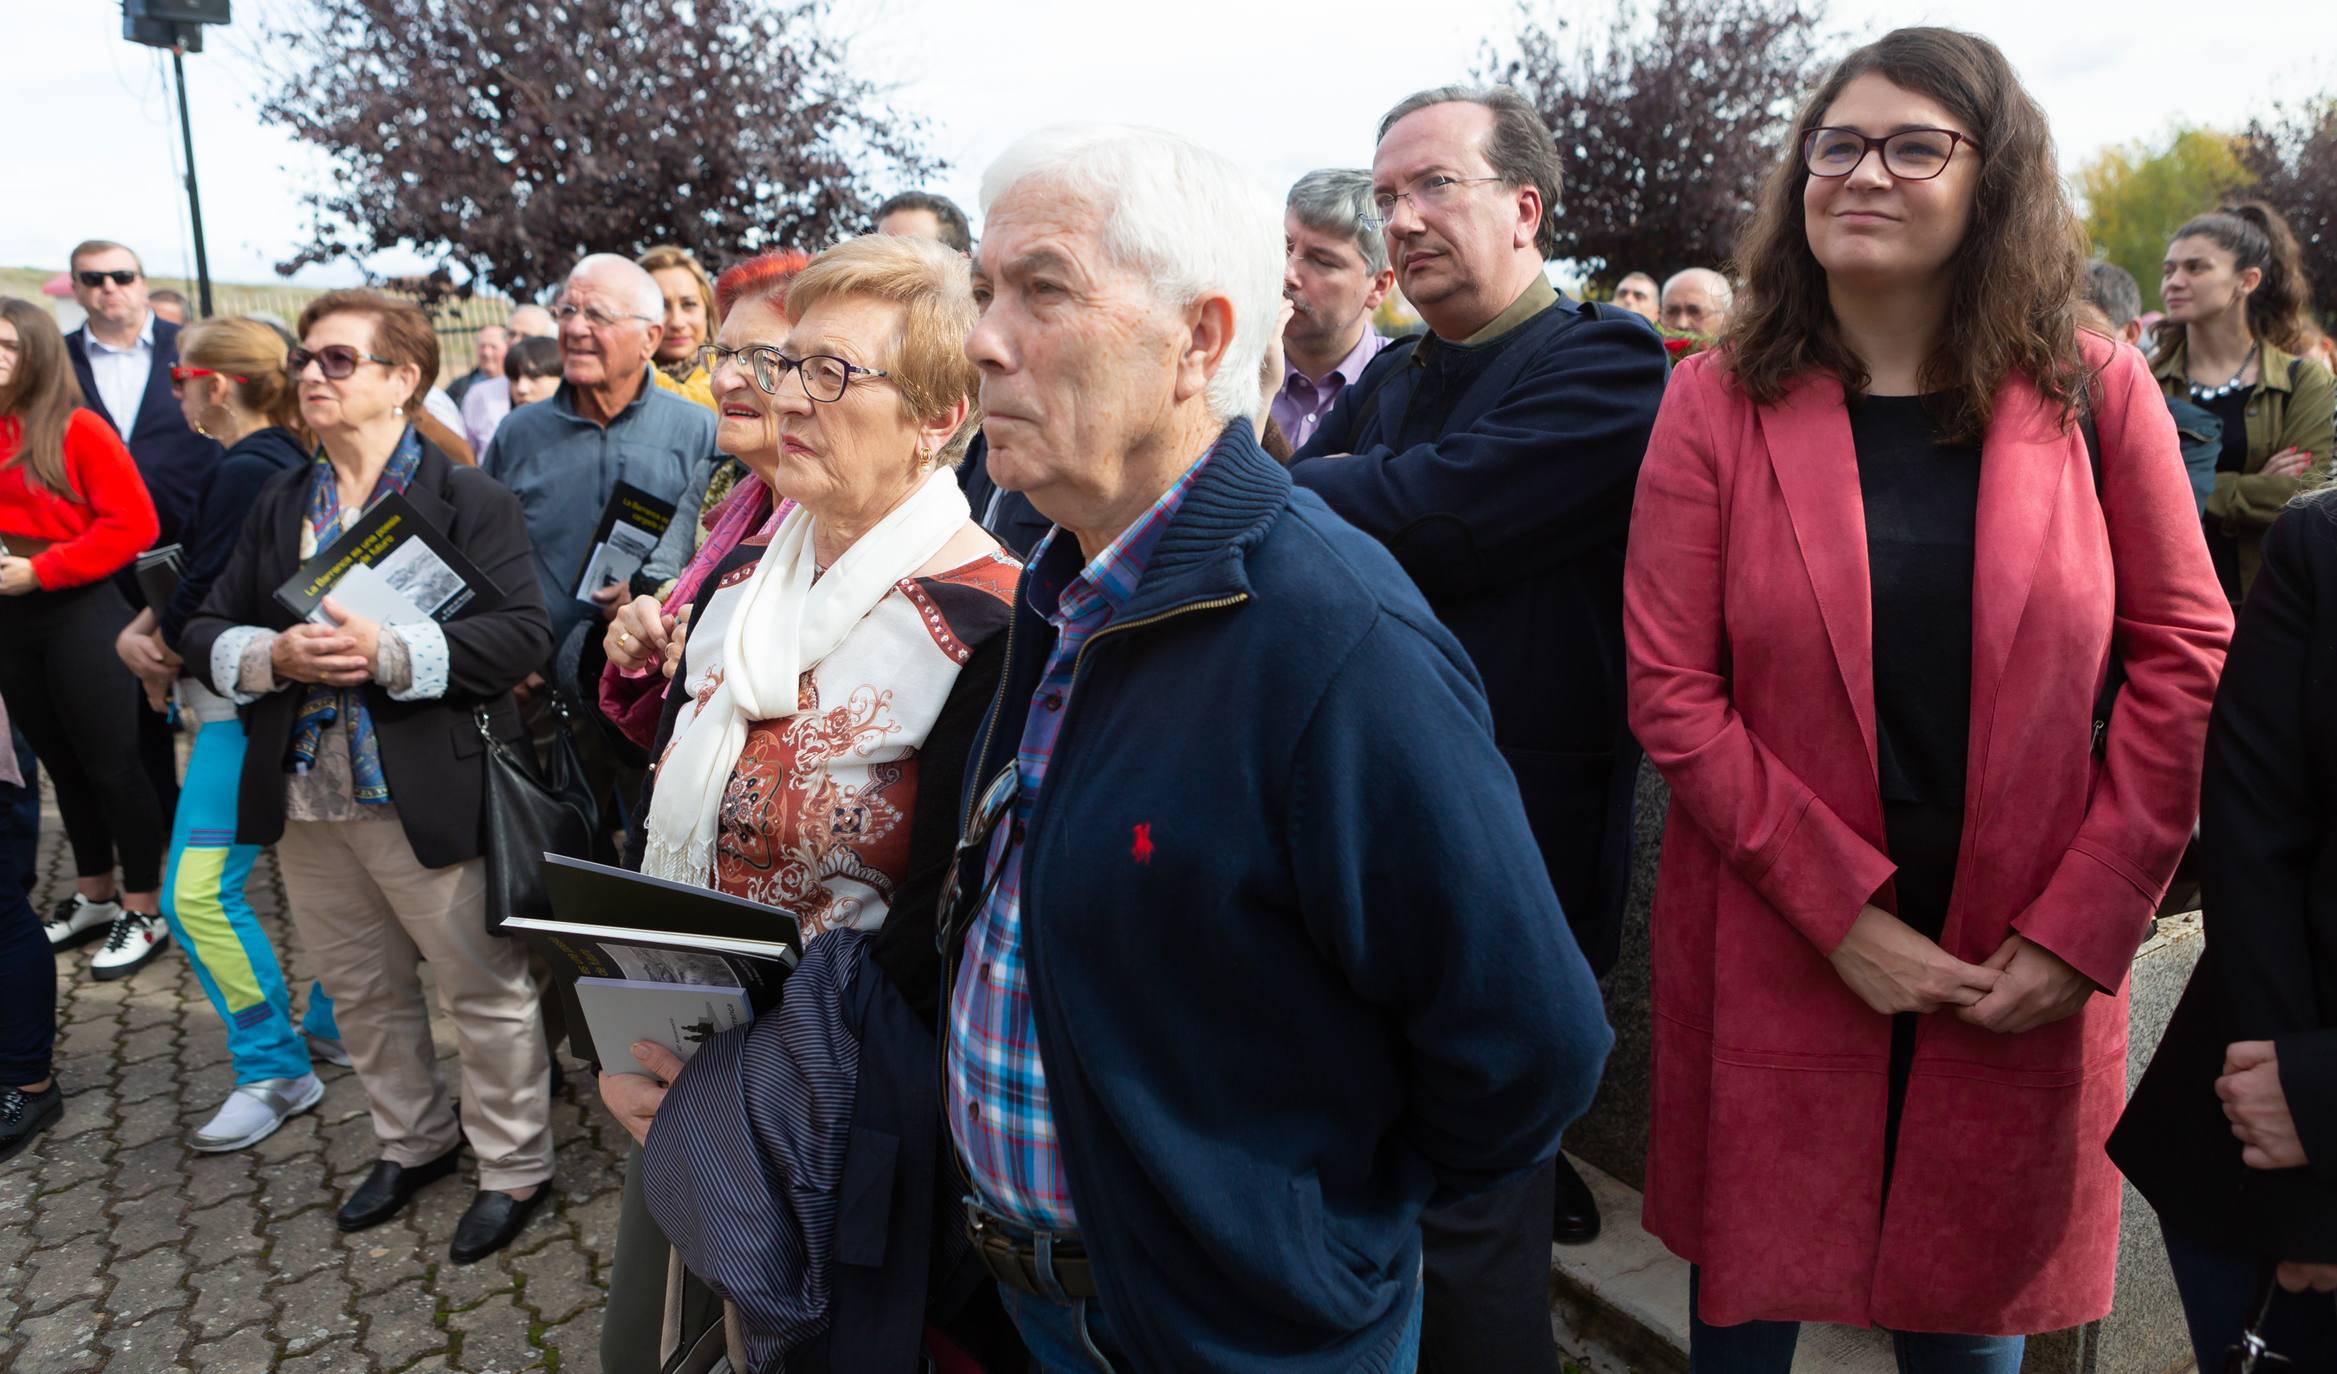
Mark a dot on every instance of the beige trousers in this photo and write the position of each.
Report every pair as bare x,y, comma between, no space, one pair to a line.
369,912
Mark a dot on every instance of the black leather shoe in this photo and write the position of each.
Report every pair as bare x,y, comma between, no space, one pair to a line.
1577,1219
491,1222
386,1191
23,1116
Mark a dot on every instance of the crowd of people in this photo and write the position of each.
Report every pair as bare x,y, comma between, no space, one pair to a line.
1195,736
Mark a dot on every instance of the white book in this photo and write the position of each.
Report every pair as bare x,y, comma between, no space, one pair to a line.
366,592
679,1016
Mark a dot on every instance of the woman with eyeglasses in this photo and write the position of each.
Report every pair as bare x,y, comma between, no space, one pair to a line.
363,769
1893,536
844,635
2232,1133
73,512
231,383
2237,345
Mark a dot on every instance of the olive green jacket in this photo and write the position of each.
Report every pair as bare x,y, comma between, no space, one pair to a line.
2281,415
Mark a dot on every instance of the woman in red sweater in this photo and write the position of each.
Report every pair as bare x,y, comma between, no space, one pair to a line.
73,511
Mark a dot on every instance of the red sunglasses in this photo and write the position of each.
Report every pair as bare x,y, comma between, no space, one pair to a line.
188,374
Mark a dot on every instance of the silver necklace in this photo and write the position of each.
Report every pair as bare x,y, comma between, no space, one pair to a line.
2208,395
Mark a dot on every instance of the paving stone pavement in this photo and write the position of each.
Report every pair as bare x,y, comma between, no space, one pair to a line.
123,1251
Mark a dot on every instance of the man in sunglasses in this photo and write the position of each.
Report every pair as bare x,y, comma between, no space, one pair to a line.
123,356
1496,459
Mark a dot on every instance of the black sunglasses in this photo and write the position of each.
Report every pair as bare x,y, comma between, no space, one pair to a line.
336,361
973,848
97,279
2252,1352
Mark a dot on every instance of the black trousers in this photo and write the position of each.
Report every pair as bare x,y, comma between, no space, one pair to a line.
1485,1264
79,706
28,969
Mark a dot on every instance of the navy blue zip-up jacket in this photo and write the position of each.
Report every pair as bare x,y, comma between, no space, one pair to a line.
1500,474
228,499
1337,982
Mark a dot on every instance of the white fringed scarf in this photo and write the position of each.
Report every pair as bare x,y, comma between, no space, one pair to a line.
785,624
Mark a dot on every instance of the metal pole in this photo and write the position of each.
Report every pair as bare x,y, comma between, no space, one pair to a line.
178,66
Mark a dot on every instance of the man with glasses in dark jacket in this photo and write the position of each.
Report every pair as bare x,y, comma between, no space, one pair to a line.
1496,458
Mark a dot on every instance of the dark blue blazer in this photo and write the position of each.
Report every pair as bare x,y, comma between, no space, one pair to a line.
1296,966
1500,475
175,461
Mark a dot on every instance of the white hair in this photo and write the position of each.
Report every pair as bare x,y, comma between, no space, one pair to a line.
1715,285
625,277
1184,217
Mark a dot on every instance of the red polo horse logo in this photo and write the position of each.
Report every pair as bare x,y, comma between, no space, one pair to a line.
1141,850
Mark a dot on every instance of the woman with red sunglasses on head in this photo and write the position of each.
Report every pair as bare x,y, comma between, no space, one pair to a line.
231,383
363,769
73,512
1892,537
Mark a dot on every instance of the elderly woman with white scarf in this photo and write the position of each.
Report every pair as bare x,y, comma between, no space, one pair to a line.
835,667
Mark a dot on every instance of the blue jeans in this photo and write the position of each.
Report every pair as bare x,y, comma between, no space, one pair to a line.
2220,1290
1073,1337
211,919
28,968
1766,1347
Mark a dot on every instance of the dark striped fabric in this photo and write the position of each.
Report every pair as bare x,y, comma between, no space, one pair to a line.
748,1153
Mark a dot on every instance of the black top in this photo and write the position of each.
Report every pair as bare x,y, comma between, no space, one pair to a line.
2232,409
227,501
1922,501
2268,848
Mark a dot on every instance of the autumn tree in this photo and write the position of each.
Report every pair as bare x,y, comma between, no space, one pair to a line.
1666,127
2137,194
506,138
2293,157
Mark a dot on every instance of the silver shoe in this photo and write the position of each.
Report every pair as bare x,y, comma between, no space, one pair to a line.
253,1112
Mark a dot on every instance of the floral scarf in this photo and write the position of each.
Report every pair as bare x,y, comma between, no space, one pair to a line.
323,705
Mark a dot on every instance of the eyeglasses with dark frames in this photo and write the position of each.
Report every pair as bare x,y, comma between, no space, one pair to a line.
1909,154
823,376
973,846
1434,189
188,374
336,361
94,280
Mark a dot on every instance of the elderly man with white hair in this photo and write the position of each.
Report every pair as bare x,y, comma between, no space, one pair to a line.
608,422
1697,301
1251,952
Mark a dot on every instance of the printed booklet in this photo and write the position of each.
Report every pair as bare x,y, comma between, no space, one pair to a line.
391,565
629,529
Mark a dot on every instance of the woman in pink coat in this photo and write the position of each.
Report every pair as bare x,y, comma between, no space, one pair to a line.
1879,577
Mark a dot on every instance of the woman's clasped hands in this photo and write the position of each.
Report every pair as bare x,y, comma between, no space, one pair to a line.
1894,968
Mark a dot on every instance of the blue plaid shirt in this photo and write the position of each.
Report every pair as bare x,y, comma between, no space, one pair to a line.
997,1104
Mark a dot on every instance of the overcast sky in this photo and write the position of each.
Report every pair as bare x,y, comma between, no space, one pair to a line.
1280,87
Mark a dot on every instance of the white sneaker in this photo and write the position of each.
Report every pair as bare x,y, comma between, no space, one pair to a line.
327,1049
253,1112
135,938
78,920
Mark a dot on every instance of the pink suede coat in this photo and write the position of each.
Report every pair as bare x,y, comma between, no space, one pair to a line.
1748,618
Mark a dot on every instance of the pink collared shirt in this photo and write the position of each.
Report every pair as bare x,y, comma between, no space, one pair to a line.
1303,401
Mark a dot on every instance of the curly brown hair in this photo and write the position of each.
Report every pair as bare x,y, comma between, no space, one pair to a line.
2018,272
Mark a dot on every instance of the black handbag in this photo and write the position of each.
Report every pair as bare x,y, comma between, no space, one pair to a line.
564,774
525,819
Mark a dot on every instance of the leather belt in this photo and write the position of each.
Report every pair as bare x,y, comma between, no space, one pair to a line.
1015,1263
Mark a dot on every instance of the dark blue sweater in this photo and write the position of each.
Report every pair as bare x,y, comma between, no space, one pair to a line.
1335,985
227,502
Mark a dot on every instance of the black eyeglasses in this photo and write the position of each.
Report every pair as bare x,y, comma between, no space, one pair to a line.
1909,155
2252,1352
93,280
336,361
822,376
